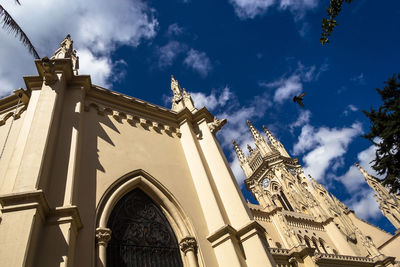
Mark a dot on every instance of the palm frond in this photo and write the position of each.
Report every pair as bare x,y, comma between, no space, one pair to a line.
10,25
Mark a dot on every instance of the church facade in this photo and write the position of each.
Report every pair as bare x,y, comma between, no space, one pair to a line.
92,177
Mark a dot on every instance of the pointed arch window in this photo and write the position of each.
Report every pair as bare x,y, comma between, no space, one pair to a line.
141,234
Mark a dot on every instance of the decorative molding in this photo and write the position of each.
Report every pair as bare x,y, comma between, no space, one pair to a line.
188,244
11,113
133,119
103,235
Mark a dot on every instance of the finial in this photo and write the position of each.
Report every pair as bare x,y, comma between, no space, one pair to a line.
66,50
270,136
362,170
254,132
176,89
239,153
249,148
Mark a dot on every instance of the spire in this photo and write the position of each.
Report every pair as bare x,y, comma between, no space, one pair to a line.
239,153
176,89
66,50
270,137
244,164
260,142
250,148
256,135
181,98
275,142
366,175
387,202
374,184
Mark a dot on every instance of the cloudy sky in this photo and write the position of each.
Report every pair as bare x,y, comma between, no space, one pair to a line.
243,59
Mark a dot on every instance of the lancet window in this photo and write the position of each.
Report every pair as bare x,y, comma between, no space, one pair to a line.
141,234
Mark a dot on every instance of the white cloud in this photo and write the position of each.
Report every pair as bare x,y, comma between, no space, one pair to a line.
353,178
174,30
304,29
303,119
288,87
93,25
324,147
298,7
248,9
350,108
211,101
361,200
364,205
168,53
359,79
198,61
99,68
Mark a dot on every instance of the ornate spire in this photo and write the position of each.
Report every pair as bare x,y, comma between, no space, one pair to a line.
388,204
250,148
271,138
241,156
374,184
177,98
275,142
256,135
181,98
176,89
66,50
260,142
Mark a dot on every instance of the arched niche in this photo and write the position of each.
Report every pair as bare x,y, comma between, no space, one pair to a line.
161,197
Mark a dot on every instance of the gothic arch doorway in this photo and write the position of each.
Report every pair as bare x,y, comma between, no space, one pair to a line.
141,235
165,203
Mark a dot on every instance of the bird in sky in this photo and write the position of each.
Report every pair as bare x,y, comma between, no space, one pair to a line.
299,99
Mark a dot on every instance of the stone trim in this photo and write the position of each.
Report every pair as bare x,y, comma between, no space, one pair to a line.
66,215
25,200
37,200
251,228
224,232
188,243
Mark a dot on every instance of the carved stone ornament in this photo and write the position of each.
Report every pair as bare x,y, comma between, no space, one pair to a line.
188,244
216,125
49,74
103,235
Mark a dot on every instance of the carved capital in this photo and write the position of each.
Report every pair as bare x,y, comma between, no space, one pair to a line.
188,244
103,235
216,125
49,74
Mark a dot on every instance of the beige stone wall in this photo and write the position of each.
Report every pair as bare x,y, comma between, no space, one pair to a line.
112,148
391,246
377,235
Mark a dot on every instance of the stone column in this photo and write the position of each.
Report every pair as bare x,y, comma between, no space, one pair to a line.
188,246
234,204
36,158
213,210
103,235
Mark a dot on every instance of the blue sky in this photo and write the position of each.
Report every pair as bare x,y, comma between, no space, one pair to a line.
243,59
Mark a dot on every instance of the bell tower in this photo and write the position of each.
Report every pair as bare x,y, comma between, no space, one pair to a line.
272,175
